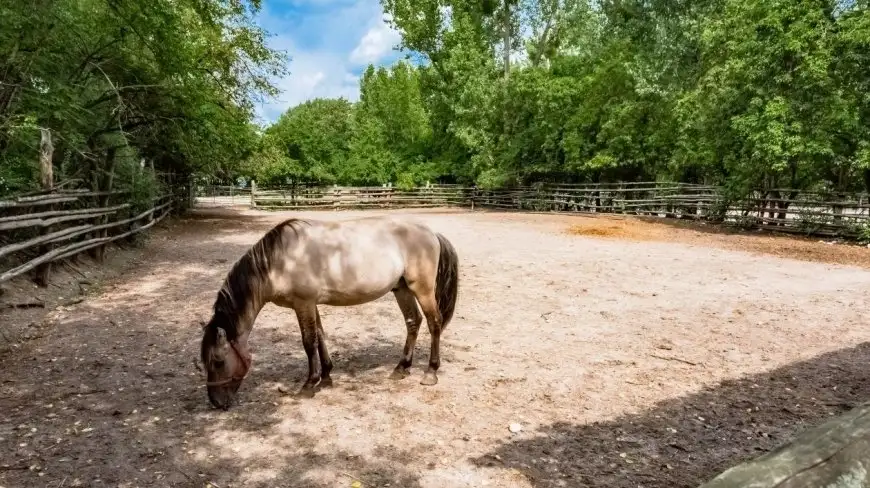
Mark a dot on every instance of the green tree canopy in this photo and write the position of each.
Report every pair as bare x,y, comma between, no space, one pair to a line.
752,95
173,82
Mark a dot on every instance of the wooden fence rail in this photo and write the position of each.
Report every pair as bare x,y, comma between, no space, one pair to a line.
784,210
42,237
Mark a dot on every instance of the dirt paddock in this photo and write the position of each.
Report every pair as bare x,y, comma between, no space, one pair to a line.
627,354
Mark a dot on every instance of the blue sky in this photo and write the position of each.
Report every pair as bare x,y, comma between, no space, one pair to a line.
330,43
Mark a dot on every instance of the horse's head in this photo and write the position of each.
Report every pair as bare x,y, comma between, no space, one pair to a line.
226,362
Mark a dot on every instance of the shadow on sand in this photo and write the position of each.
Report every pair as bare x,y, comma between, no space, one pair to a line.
686,441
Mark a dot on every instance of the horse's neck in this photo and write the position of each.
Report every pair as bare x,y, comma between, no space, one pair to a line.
247,316
242,314
244,309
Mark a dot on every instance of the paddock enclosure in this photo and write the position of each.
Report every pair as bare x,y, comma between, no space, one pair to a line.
583,352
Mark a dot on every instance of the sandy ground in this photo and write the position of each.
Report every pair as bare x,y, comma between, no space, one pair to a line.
652,356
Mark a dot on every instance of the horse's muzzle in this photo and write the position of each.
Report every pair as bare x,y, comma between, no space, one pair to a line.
222,397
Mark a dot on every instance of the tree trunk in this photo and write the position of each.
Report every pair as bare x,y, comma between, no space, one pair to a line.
46,153
774,196
506,39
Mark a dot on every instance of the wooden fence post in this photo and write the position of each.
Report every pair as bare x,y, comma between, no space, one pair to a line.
191,192
106,183
253,194
46,172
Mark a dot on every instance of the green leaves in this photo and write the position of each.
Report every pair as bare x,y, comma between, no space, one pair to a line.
315,135
737,92
767,98
174,80
272,166
383,138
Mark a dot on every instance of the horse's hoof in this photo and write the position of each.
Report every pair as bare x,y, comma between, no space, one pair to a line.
429,378
306,392
400,373
309,388
325,382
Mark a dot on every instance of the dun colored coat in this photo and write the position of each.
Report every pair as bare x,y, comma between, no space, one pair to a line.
300,264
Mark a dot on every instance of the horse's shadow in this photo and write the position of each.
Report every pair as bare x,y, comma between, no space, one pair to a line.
371,363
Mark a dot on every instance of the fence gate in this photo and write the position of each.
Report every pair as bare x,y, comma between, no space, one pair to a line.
209,196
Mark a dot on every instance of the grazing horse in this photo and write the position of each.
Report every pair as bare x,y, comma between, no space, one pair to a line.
300,264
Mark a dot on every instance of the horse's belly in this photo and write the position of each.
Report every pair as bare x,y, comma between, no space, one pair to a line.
342,298
350,281
357,292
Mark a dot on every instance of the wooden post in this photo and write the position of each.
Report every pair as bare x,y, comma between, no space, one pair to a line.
46,151
191,192
46,172
107,182
253,194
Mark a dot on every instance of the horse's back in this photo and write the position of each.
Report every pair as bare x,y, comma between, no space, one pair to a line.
416,243
400,231
353,261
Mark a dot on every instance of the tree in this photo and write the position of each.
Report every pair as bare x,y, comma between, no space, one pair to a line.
750,95
316,134
174,82
766,107
391,129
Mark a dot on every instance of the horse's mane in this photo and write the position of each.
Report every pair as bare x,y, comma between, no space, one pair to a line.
243,281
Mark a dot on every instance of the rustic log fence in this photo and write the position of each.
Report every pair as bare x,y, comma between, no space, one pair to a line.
783,210
358,197
222,195
39,229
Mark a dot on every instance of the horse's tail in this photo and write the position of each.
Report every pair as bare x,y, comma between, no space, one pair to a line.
447,280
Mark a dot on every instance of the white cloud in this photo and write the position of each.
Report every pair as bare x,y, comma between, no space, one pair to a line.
313,74
375,44
329,42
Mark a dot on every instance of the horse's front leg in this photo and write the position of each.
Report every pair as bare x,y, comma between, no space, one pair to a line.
307,316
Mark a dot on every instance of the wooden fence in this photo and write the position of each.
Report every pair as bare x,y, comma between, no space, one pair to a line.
784,210
41,228
359,197
221,195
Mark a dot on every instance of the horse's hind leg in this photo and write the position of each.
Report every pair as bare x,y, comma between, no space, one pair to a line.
413,319
307,316
325,360
433,320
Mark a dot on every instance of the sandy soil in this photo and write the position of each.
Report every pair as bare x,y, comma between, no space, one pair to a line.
654,356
